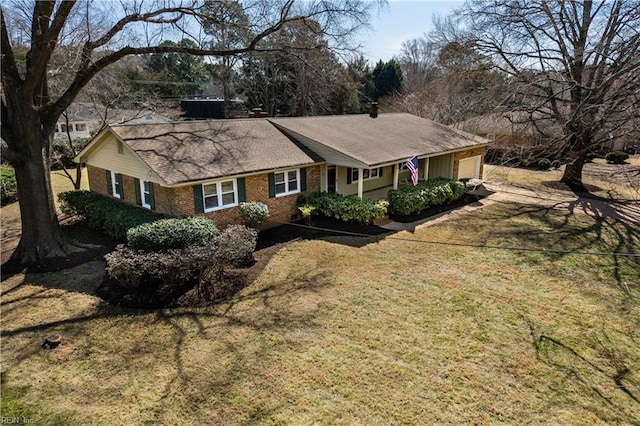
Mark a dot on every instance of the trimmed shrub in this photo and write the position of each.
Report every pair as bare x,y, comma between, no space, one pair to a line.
110,216
137,270
8,186
555,164
349,208
166,234
411,200
158,278
308,212
74,203
616,157
235,245
254,213
544,164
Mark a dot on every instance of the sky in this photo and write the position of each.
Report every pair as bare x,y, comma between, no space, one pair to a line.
402,20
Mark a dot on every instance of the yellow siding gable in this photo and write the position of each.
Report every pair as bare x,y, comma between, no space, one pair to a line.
106,156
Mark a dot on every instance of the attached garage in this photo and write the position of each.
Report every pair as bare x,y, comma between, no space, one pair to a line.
469,167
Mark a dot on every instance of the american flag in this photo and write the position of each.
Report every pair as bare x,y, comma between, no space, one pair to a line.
412,165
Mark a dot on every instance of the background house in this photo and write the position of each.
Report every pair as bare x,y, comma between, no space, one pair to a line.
517,135
211,108
85,119
513,135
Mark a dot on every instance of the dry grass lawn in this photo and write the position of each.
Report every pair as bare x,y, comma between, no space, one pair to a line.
609,181
406,330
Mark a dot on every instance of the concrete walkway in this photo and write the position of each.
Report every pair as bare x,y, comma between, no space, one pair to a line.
497,192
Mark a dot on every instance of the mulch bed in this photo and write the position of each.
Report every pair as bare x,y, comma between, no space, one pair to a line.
77,231
319,228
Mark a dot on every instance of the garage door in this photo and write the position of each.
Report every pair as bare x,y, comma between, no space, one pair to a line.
469,167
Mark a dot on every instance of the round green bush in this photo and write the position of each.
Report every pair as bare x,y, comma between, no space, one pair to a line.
410,200
165,234
616,157
8,186
345,208
544,164
254,213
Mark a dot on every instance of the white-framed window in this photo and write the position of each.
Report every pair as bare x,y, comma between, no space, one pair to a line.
81,127
287,182
116,184
220,195
146,194
366,174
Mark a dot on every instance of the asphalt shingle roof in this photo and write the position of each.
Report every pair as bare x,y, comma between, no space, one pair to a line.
188,151
389,137
196,150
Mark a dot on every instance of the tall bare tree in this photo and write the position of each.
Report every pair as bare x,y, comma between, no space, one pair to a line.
574,64
447,81
417,59
30,109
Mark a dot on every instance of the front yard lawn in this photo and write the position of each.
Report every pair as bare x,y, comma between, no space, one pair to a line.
397,331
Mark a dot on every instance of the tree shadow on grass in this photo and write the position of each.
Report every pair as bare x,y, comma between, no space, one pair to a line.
101,332
610,231
607,372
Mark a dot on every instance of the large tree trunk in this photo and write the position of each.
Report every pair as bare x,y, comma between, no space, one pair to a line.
573,172
41,237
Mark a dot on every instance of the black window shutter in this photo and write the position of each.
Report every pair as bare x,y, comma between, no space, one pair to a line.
152,198
109,183
349,175
120,186
303,179
136,186
393,168
198,198
272,185
242,191
380,169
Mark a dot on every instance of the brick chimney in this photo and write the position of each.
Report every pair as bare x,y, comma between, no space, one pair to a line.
373,110
258,113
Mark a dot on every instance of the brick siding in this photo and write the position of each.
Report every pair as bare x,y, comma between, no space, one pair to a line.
180,202
98,183
97,180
